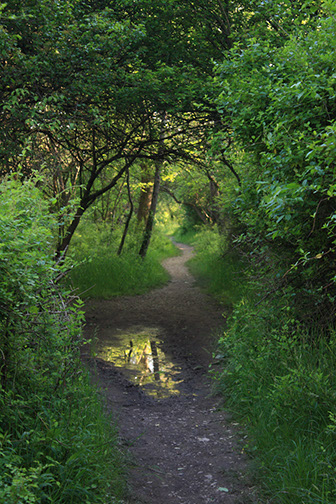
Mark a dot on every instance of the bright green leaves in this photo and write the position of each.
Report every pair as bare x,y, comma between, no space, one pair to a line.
281,103
281,204
26,235
52,427
281,99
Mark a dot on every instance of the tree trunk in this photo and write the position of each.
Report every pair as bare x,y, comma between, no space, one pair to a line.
146,193
64,241
214,193
85,203
151,216
128,220
155,196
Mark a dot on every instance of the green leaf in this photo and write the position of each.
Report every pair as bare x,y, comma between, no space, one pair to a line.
223,489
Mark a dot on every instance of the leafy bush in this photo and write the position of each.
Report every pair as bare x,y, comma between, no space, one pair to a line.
278,353
281,100
55,442
276,377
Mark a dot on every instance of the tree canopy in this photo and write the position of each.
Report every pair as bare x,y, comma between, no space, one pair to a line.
246,90
281,100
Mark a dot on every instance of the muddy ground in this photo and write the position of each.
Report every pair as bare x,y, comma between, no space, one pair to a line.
183,448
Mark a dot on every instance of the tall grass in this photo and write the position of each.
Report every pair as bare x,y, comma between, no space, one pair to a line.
61,450
218,270
277,379
283,389
101,273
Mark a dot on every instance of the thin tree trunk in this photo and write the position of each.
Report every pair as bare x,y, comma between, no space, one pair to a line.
156,191
214,193
146,193
128,220
85,203
66,239
231,168
151,216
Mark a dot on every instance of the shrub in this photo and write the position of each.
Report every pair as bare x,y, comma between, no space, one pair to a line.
55,442
282,388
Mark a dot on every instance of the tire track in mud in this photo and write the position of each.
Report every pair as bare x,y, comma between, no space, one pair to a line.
183,448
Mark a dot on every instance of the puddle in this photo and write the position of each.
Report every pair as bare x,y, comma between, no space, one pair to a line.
139,355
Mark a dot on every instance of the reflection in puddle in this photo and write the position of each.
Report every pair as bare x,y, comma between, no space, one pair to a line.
138,352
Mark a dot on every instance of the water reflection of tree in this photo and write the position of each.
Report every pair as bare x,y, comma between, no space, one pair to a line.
156,365
145,361
144,355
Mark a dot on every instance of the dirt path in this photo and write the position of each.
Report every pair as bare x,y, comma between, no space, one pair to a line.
183,448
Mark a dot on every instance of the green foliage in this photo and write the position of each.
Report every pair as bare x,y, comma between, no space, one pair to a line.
277,378
168,216
276,359
55,443
282,105
82,92
185,235
218,269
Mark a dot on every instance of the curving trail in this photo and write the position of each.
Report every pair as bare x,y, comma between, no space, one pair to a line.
183,448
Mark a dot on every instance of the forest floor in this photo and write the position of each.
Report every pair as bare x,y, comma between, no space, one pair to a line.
183,447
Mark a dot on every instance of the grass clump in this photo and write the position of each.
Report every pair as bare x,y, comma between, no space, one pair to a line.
282,387
217,269
101,273
187,236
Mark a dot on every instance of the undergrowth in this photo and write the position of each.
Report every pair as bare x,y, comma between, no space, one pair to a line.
218,270
277,377
56,443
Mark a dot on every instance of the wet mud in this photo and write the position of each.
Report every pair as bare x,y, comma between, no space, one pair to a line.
151,356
